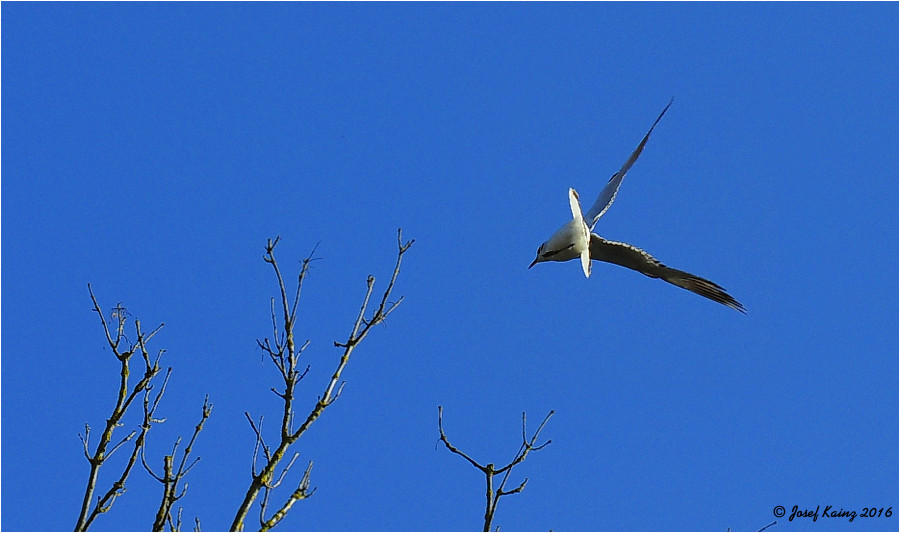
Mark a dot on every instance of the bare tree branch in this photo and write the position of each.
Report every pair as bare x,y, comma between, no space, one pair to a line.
285,356
493,496
301,493
124,397
449,446
172,476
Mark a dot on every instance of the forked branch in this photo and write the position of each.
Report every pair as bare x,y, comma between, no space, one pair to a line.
172,476
490,471
284,354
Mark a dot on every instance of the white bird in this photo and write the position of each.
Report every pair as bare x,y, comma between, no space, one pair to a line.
576,239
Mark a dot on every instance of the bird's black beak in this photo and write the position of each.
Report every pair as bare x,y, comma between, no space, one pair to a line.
533,262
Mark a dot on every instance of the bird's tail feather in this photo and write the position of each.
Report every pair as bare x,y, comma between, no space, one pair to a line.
701,286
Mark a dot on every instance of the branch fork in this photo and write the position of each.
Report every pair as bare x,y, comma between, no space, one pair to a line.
490,471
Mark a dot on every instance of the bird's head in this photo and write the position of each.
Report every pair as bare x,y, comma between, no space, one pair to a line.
539,257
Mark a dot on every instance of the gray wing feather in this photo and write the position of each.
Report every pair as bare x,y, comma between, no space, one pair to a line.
628,256
608,194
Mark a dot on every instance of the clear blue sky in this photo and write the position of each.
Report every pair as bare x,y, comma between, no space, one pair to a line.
151,149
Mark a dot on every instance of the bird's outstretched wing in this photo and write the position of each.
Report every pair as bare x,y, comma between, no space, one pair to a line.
608,194
628,256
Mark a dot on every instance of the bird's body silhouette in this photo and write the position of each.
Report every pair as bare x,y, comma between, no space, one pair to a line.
576,239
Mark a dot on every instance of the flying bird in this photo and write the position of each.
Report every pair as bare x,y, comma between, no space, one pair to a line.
576,240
